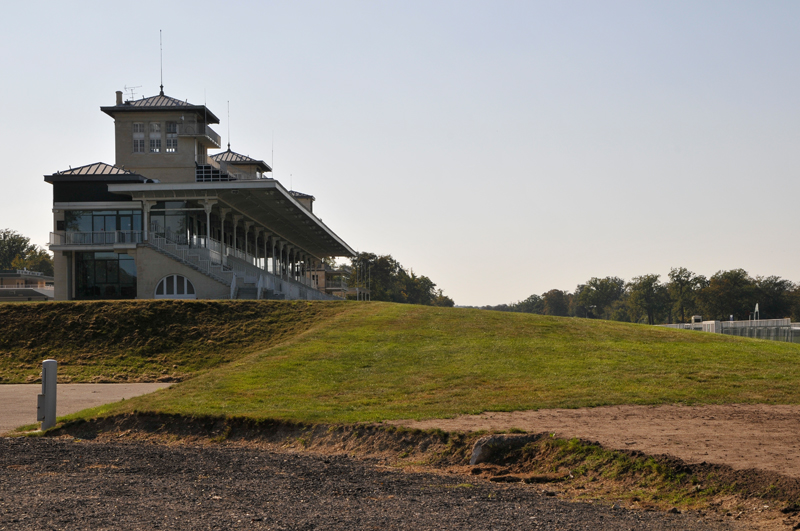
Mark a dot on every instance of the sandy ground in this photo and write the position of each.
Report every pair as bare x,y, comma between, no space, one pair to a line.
18,401
741,436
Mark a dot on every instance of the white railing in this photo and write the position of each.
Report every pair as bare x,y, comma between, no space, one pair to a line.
45,288
200,258
241,270
96,238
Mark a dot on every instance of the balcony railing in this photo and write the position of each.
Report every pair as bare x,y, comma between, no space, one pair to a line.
199,129
237,174
47,288
96,238
337,284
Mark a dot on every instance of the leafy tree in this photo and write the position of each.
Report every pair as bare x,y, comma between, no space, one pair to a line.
620,310
794,297
647,295
576,308
37,260
774,297
728,293
17,252
533,304
389,281
498,308
598,295
556,302
683,287
442,300
12,245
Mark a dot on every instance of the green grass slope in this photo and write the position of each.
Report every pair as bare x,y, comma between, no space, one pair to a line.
144,340
380,361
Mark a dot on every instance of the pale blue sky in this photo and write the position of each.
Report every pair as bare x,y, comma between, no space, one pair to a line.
501,148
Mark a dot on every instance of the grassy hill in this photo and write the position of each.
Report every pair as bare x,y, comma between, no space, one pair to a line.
352,362
143,340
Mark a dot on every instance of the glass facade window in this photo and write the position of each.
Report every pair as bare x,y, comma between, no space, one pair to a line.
104,276
138,137
155,137
175,287
173,224
172,137
103,226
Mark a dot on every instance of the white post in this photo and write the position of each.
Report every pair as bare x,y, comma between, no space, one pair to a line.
46,406
146,218
207,207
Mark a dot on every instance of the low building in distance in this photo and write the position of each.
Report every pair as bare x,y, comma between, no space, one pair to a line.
24,285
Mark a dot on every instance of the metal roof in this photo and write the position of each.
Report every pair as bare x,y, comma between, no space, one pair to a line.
98,168
231,157
160,103
264,201
99,171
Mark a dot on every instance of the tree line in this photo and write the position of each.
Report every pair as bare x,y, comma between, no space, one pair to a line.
645,299
391,282
17,252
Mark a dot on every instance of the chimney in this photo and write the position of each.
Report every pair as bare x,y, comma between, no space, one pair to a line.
119,97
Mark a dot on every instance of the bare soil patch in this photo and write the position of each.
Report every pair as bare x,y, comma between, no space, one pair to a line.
743,437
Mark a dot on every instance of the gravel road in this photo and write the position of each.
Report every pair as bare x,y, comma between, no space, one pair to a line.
73,484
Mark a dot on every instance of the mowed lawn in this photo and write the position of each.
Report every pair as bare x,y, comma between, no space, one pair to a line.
380,361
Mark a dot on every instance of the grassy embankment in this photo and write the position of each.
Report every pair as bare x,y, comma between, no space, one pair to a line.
143,341
377,361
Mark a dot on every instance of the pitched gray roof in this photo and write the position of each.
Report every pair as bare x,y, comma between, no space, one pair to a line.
158,103
99,172
98,168
231,157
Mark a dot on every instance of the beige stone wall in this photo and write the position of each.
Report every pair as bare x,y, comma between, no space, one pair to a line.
152,266
61,263
166,167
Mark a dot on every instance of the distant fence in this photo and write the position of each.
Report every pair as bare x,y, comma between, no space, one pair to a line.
770,329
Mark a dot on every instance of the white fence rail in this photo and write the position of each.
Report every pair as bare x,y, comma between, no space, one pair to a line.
96,238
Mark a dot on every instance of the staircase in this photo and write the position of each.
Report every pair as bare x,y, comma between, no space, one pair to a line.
191,258
247,276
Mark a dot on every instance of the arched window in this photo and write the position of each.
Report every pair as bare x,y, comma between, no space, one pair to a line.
175,287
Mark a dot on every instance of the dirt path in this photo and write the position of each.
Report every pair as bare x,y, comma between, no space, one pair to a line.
741,436
18,401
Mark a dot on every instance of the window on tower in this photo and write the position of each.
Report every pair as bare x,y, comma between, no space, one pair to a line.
172,137
155,137
138,137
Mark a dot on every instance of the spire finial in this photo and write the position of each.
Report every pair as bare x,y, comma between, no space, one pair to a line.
229,125
161,58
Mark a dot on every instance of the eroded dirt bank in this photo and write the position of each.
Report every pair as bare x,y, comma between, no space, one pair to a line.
755,436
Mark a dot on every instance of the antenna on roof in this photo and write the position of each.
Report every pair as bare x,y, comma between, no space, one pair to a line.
132,91
272,161
229,125
161,59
